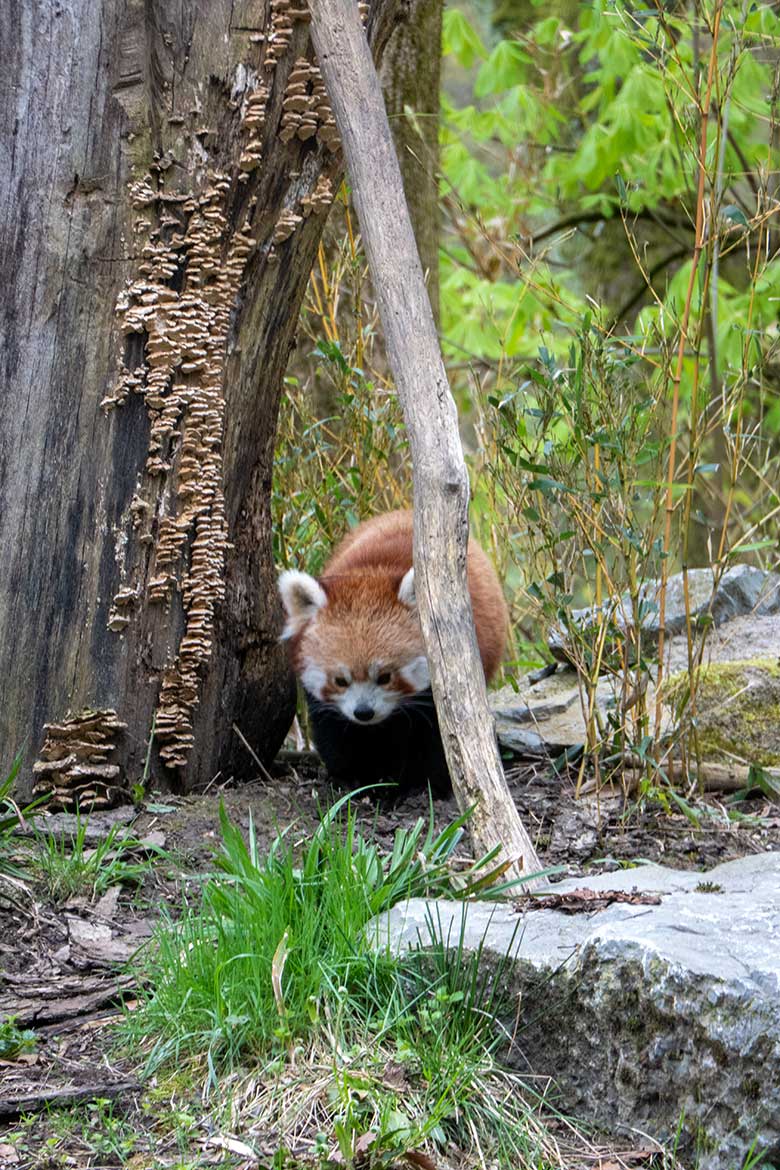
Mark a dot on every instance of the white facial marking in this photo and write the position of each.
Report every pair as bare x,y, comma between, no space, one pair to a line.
302,598
314,679
406,594
369,696
416,673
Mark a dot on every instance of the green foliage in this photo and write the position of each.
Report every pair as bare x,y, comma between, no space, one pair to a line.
14,1041
332,471
296,915
574,463
592,112
11,816
66,867
610,278
274,965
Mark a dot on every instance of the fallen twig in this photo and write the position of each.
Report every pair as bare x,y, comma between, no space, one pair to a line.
18,1103
49,1003
584,901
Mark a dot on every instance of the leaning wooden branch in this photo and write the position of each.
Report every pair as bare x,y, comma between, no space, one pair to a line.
440,480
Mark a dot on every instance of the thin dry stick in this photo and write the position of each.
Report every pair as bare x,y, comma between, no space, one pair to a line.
319,306
326,290
697,251
359,357
263,770
709,294
439,470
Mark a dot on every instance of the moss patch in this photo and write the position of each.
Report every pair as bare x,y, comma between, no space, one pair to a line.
737,710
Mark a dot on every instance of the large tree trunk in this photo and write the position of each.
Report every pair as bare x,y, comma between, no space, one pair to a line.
411,76
165,180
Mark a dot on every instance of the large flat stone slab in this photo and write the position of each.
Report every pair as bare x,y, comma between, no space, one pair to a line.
644,1013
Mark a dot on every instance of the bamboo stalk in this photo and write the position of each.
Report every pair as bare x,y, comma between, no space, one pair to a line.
697,251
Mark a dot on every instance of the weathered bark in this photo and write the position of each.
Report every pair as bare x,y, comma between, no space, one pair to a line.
441,488
411,78
12,1106
161,212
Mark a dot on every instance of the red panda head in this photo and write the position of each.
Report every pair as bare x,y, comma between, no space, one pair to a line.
355,640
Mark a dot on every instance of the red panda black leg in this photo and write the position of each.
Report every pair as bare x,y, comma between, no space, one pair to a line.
405,749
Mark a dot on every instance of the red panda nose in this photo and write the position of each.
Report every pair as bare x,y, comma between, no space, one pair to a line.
364,713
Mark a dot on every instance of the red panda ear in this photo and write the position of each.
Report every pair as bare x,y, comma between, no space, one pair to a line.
302,598
406,594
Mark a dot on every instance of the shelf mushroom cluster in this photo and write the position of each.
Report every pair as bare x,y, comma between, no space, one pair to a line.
74,767
175,316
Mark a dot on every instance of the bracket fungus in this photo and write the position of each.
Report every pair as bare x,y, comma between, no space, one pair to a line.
306,109
286,225
253,121
193,246
284,14
73,768
320,198
184,333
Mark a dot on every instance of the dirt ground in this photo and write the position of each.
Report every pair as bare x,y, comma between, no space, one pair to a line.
587,835
64,971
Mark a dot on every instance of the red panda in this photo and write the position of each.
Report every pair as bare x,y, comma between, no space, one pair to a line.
356,646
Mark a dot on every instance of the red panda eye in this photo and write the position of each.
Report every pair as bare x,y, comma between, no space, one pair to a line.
340,681
384,678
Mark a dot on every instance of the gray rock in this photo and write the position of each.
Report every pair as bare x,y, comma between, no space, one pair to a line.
742,590
737,710
548,715
742,639
643,1013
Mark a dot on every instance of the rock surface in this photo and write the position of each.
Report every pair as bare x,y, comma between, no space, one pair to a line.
737,710
643,1013
742,590
547,716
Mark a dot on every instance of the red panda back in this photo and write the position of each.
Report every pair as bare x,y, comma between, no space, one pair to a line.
385,543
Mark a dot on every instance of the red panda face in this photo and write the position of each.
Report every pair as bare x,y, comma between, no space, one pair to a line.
355,641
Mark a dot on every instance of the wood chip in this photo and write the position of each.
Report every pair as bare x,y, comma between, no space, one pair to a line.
584,901
62,999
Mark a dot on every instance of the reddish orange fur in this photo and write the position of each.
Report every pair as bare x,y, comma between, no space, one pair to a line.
364,621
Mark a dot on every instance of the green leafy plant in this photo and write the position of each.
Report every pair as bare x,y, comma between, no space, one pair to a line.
574,462
360,1049
249,962
626,224
11,817
65,866
13,1040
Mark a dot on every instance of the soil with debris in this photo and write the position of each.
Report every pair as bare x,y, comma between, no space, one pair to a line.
65,971
587,835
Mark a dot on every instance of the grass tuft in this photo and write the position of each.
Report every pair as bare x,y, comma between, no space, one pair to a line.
270,987
66,867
